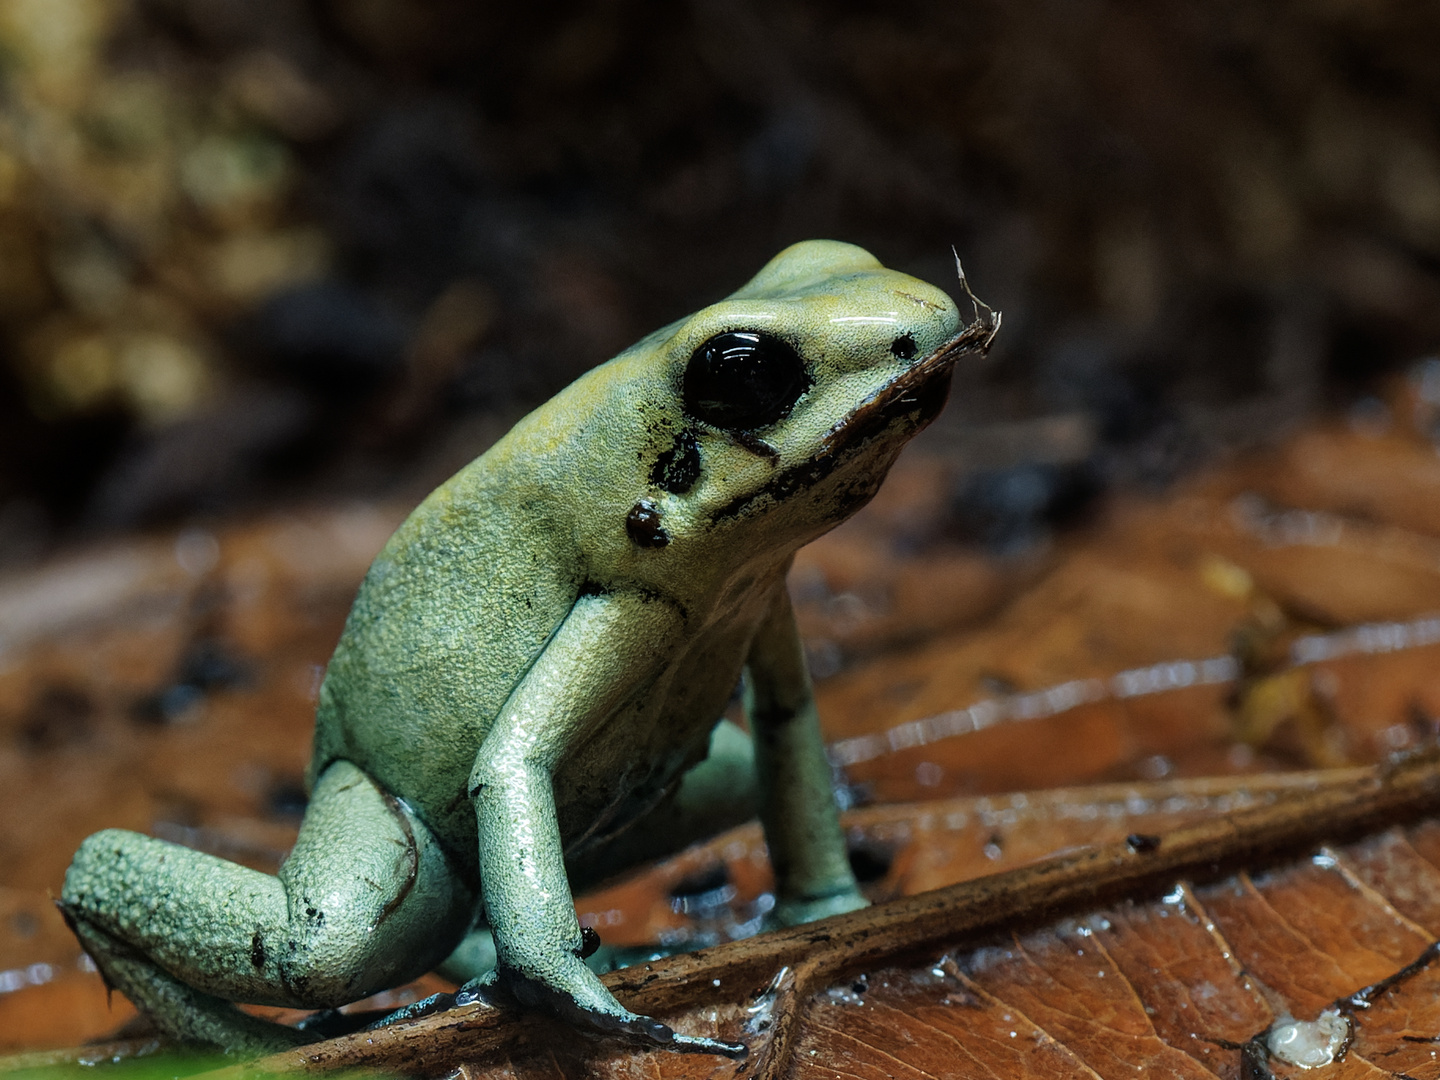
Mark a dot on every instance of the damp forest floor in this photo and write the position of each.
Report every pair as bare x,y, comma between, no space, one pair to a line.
1133,795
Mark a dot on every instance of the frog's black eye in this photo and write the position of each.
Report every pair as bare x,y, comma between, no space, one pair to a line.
742,379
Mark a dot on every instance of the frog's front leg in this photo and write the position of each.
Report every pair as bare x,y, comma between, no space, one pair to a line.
608,645
797,803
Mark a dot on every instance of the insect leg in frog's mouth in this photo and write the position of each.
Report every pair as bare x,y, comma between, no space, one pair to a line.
914,397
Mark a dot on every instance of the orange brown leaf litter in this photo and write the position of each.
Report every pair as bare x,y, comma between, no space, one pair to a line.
1333,808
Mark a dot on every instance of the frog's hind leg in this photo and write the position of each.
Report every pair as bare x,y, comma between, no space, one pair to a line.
366,900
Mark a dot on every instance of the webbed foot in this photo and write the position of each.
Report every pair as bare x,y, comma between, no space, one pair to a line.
604,1015
416,1009
794,912
532,994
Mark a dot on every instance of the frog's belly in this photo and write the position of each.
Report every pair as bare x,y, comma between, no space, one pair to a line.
414,720
633,759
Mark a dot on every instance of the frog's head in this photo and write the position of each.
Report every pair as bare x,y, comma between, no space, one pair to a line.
773,415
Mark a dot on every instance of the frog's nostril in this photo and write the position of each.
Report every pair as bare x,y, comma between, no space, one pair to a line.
903,347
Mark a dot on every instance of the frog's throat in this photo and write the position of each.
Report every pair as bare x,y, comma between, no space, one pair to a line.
904,405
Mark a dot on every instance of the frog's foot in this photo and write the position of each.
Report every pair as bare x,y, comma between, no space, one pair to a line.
798,910
481,990
181,1011
416,1009
600,1013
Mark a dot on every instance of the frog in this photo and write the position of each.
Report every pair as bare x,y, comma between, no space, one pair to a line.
529,692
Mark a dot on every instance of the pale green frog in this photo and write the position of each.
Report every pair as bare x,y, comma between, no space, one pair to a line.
528,691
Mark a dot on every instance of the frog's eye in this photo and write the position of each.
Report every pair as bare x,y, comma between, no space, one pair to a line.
741,379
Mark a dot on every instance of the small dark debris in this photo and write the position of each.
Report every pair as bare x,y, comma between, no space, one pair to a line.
870,860
1255,1060
287,799
207,665
1142,843
166,707
1009,511
1000,685
211,665
704,893
60,715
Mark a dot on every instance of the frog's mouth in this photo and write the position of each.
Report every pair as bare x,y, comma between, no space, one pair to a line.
903,406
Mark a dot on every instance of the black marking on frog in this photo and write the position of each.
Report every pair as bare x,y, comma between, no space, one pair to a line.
643,526
461,797
843,443
677,468
409,859
257,950
903,347
589,942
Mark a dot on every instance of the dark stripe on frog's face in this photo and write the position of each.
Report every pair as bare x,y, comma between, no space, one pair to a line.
913,398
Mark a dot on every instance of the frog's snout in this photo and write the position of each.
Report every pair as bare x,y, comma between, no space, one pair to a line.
920,391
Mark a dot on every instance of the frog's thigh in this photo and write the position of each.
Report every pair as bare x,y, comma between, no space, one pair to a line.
717,794
366,900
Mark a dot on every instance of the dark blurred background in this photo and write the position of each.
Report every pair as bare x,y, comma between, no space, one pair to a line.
272,249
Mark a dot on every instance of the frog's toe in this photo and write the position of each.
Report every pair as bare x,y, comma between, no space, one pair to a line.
793,912
605,1016
480,989
416,1009
585,1003
698,1044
